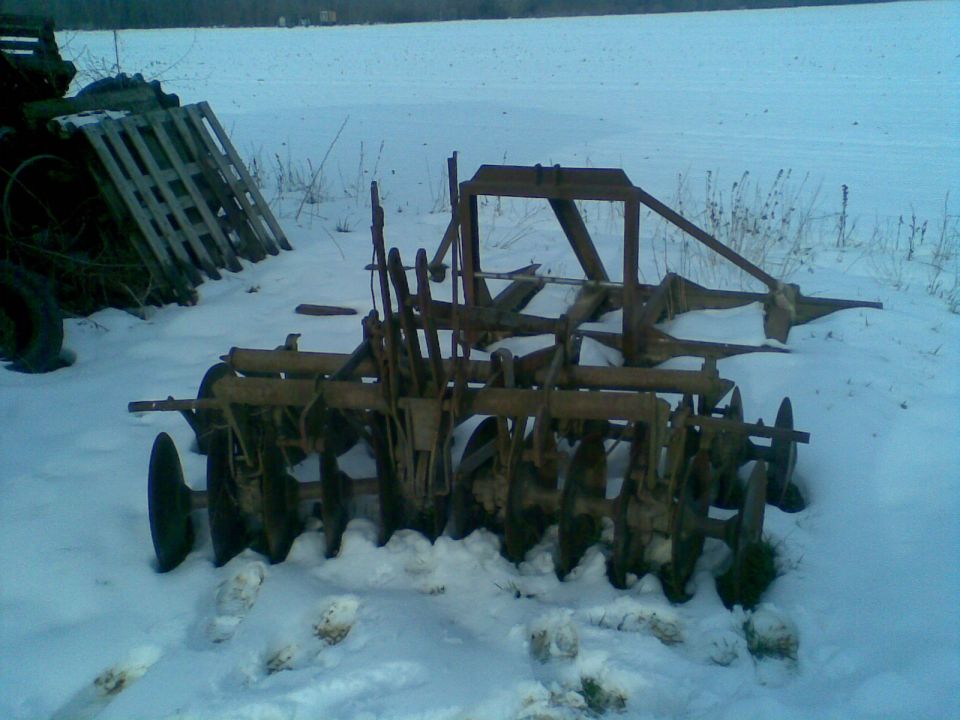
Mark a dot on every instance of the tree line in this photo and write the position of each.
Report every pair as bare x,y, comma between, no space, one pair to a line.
116,14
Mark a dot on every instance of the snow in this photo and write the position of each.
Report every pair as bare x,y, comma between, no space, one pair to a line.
865,607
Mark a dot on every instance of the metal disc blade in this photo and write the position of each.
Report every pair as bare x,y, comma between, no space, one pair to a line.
466,513
279,491
629,538
579,530
205,420
227,529
620,559
728,453
753,567
340,436
686,527
523,524
333,507
781,490
388,490
169,502
750,519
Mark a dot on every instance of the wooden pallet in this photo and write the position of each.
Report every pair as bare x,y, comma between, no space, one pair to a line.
179,187
30,58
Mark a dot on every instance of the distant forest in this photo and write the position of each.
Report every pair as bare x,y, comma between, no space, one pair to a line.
115,14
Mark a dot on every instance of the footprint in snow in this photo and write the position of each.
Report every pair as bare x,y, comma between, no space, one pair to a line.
553,636
331,624
626,615
93,699
285,658
336,619
235,597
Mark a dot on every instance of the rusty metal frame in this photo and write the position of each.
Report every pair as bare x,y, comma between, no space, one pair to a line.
400,394
643,305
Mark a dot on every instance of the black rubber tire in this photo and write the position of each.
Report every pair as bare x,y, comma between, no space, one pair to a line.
125,82
37,326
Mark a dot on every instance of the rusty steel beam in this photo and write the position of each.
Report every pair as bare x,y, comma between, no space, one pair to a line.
629,301
589,303
276,392
524,285
556,183
579,238
450,235
784,305
658,346
289,362
688,295
522,276
675,218
480,319
139,406
501,402
751,429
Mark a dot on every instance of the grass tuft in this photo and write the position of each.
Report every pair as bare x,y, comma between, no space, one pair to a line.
759,570
601,699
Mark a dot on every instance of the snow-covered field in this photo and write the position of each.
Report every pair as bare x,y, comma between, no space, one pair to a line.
866,96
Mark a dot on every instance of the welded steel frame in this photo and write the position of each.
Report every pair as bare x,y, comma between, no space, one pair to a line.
643,305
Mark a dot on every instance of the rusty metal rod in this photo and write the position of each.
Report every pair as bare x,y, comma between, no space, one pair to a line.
139,406
735,427
550,279
693,382
501,402
723,298
672,216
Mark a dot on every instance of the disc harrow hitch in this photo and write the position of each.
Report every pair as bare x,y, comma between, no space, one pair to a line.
540,432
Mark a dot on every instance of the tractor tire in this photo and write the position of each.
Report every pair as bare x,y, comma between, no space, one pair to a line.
125,82
31,327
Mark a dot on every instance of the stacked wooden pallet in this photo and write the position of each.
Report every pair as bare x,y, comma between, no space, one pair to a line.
190,204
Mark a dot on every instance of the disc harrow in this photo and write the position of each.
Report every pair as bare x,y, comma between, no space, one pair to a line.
539,431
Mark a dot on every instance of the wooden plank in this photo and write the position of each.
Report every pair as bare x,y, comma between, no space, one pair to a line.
169,175
160,289
148,203
323,310
172,201
247,241
186,171
260,203
234,178
28,25
28,46
260,206
264,241
170,274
